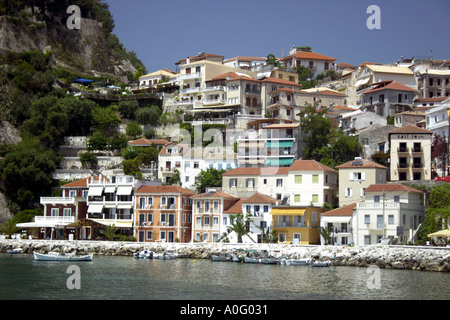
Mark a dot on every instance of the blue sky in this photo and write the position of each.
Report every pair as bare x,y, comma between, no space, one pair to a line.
165,31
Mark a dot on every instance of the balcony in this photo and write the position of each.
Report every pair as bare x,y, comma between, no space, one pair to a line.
190,90
213,101
62,219
403,150
214,88
417,150
402,166
189,76
417,165
60,200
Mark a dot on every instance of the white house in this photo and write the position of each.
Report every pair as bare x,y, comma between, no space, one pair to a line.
389,211
339,221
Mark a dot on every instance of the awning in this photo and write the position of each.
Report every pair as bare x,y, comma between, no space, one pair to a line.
95,208
124,206
85,223
287,211
110,189
116,223
362,82
280,162
280,144
124,191
443,233
42,224
95,191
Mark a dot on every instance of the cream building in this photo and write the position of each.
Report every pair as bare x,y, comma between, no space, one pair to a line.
355,176
410,153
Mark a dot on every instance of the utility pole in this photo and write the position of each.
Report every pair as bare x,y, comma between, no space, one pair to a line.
384,196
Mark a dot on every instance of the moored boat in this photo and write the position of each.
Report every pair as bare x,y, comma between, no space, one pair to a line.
55,256
144,254
321,263
168,254
296,262
15,251
222,257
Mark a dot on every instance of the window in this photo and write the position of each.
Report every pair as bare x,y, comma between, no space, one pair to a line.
54,212
315,198
366,219
206,221
362,192
207,206
67,212
248,208
216,206
348,192
163,200
298,178
376,198
216,221
367,239
391,219
233,183
198,69
315,178
150,201
149,235
141,202
379,221
296,198
314,217
279,182
396,198
199,206
198,221
266,208
150,217
250,183
163,217
72,193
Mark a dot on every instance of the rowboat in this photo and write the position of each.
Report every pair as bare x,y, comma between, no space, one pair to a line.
296,262
55,256
221,257
168,254
321,263
261,260
144,254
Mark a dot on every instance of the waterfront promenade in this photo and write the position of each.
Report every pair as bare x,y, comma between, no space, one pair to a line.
383,256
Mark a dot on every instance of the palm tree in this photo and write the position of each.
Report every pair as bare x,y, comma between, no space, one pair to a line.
240,227
326,233
109,232
9,227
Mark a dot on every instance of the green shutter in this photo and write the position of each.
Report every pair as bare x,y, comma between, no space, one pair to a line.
296,198
298,178
315,178
315,198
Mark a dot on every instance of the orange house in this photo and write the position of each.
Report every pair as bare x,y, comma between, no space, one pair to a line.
163,214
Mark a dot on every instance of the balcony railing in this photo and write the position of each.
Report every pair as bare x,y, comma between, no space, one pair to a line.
188,76
68,219
403,150
59,200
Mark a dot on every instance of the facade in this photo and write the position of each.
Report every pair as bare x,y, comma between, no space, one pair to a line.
434,82
297,224
111,202
317,63
210,223
304,183
375,138
352,123
356,176
161,80
340,222
387,98
268,143
389,211
410,153
163,214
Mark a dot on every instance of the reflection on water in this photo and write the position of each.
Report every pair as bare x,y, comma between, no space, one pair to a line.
185,279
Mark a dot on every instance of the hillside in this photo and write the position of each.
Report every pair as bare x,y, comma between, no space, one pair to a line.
42,25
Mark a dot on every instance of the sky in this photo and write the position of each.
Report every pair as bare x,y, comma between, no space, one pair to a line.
166,31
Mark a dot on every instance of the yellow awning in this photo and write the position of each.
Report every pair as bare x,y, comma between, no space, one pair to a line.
288,211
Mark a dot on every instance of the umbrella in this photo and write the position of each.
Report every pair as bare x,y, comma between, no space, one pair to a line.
442,233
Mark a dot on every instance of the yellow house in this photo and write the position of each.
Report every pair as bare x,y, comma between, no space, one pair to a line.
297,224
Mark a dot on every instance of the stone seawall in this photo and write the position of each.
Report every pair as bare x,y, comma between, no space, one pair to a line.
393,257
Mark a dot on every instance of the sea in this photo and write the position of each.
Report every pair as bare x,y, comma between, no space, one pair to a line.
189,282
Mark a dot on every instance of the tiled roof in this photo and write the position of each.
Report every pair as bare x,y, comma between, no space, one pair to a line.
235,208
390,187
309,55
214,194
260,198
144,141
391,85
411,129
389,69
82,183
163,189
257,171
245,59
342,211
309,165
282,126
233,76
365,163
281,81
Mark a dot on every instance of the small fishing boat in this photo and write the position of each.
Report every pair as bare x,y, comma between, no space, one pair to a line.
222,257
15,251
321,263
144,254
55,256
168,254
261,260
296,262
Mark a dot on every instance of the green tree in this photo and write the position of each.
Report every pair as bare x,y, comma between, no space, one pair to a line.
128,108
133,129
148,115
105,119
26,172
315,131
175,179
109,232
9,228
326,233
97,141
89,160
148,154
131,167
239,226
271,59
208,178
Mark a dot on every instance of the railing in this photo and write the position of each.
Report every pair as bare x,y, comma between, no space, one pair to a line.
54,218
187,76
214,88
190,90
60,200
403,150
377,205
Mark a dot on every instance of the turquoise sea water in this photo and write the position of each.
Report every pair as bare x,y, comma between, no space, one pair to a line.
126,278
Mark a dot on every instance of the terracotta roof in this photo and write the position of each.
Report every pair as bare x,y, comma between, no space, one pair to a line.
391,85
181,147
246,59
214,194
260,198
365,163
342,211
434,99
82,183
282,126
410,129
281,81
390,187
235,208
309,165
198,57
163,189
144,141
345,65
309,55
233,76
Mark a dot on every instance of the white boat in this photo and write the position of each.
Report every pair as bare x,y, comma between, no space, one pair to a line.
168,254
222,257
321,263
55,256
15,251
296,262
144,254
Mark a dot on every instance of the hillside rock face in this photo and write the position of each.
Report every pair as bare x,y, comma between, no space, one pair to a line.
84,50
